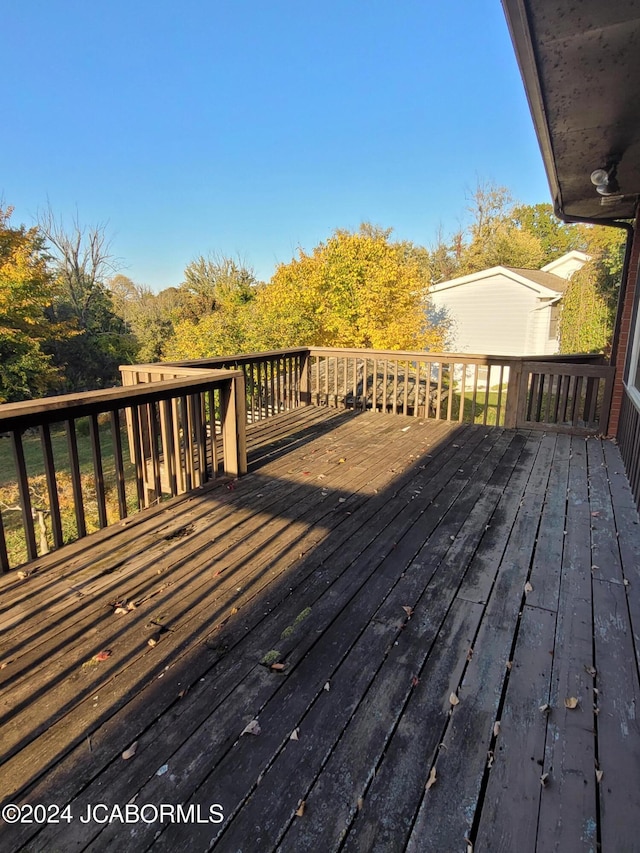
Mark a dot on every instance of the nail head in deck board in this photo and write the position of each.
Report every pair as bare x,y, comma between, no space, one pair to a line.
509,810
618,700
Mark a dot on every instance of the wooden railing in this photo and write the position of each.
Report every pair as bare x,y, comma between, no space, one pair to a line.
175,425
275,381
565,397
553,392
84,461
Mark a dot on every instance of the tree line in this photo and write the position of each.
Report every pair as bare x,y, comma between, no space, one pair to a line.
68,318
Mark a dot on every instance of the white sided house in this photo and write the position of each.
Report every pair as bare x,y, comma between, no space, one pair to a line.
507,311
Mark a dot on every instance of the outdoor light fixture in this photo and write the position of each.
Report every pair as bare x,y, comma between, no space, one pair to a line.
605,181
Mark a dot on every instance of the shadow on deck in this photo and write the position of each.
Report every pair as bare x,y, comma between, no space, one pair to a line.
451,612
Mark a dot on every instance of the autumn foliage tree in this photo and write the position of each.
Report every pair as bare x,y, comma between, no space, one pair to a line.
26,291
358,289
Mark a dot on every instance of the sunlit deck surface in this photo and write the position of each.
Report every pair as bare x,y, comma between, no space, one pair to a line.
436,596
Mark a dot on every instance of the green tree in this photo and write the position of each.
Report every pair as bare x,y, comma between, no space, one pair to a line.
26,290
150,316
590,301
213,309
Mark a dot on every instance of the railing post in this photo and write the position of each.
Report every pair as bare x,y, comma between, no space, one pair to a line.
305,379
233,417
512,406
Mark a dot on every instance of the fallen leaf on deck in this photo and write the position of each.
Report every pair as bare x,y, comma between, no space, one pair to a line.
490,757
453,699
152,641
496,728
234,610
544,779
129,753
408,610
626,582
591,670
469,654
294,735
278,667
431,781
528,587
119,611
327,686
252,728
341,500
545,708
415,681
341,460
360,803
22,575
162,770
103,655
131,605
571,702
595,514
509,664
599,775
300,809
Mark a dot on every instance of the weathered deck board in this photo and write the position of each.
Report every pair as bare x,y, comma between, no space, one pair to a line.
343,521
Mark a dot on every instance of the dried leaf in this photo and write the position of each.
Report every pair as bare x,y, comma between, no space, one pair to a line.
152,641
408,610
120,611
591,670
294,735
252,728
469,654
22,575
415,681
431,781
103,655
490,757
571,702
162,770
327,687
234,610
528,588
599,775
546,708
341,460
129,753
509,664
278,667
360,804
300,809
496,728
626,582
131,605
453,699
544,779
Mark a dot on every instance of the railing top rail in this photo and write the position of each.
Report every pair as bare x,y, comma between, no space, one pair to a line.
568,368
238,357
164,367
422,355
67,406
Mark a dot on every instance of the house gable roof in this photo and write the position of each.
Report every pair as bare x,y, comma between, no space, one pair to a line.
546,284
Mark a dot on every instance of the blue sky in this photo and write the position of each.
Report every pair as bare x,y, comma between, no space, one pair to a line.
253,128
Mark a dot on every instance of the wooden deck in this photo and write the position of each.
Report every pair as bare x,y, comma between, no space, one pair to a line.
437,595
